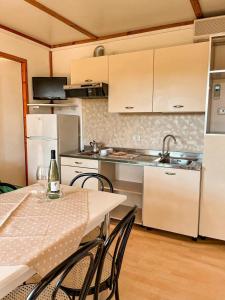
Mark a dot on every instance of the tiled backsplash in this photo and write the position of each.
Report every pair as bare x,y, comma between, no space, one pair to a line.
141,131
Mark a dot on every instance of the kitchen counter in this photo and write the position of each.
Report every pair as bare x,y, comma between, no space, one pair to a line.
143,158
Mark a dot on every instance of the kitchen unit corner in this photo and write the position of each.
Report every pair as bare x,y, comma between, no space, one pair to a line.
212,216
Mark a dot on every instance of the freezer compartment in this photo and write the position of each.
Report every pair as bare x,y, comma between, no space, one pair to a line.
39,125
39,154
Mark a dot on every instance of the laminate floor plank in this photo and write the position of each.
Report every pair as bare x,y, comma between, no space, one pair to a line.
164,266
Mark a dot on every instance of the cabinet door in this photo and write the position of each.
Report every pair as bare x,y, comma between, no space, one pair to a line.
131,82
68,173
171,200
180,78
87,70
212,212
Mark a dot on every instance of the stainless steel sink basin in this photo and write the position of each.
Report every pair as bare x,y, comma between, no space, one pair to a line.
87,153
175,161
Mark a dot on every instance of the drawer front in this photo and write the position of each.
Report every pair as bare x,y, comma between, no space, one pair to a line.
79,162
68,173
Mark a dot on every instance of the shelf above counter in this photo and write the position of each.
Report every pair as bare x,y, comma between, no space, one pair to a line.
37,105
217,71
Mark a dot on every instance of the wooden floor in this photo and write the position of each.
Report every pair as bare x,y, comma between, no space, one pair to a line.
162,266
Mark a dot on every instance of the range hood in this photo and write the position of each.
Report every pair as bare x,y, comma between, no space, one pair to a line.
87,90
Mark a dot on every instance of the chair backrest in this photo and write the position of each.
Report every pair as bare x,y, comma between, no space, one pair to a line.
6,187
118,239
66,266
101,179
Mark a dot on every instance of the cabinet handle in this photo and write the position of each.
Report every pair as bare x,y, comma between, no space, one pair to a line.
178,106
170,173
78,163
88,80
129,107
78,172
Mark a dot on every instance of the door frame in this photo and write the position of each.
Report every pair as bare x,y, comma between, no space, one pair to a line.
25,97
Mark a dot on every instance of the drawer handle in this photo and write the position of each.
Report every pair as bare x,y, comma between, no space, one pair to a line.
170,173
78,162
78,172
178,106
129,107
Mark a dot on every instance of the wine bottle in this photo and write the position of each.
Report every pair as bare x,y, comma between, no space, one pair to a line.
53,178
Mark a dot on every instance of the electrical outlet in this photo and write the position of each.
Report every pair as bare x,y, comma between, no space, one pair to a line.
221,111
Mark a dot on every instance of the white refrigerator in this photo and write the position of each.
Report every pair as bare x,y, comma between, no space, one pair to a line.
46,132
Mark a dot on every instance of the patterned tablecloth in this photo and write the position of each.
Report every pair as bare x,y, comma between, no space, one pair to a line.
38,233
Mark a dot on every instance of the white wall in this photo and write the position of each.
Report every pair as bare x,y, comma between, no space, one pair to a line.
62,57
12,158
36,55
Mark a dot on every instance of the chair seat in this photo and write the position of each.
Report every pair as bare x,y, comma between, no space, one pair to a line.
87,238
22,292
75,278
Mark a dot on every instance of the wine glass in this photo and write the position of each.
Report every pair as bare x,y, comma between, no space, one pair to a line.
42,174
42,178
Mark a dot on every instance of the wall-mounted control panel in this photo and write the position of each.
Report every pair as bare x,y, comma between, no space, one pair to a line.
217,105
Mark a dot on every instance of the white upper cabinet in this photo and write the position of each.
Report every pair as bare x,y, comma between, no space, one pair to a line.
88,70
131,82
180,78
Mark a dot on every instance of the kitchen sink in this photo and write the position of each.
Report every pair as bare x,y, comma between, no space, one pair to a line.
175,161
87,153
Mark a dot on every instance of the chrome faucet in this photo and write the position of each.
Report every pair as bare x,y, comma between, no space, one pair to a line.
165,154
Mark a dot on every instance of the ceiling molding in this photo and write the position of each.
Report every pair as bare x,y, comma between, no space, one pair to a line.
122,34
197,8
12,57
61,18
24,35
74,43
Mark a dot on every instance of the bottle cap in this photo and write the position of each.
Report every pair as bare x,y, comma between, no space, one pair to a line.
52,154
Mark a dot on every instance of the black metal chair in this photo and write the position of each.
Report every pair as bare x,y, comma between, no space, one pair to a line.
107,277
99,231
101,178
45,289
6,187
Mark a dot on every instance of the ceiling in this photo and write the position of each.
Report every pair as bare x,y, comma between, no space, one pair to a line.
58,23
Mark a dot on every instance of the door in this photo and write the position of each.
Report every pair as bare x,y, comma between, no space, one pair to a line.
39,154
171,200
131,82
88,70
12,152
42,125
180,78
212,213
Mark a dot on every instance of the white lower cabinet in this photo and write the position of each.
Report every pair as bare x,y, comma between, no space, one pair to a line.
68,172
171,200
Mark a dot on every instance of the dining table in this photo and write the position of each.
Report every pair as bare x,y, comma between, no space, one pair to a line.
99,205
